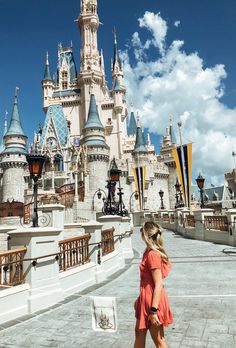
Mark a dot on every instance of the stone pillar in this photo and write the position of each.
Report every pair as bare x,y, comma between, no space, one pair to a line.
231,216
94,229
4,237
43,277
52,215
126,242
108,222
199,221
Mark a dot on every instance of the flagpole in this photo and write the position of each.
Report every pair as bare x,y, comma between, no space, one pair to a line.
183,163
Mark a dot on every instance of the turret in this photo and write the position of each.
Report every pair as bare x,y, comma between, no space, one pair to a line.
13,160
47,84
132,125
2,146
88,24
97,149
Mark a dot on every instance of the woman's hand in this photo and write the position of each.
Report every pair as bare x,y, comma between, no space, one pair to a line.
153,319
135,304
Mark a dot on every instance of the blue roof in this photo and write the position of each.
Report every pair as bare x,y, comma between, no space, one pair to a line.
214,193
140,145
56,113
71,63
117,87
95,142
93,120
67,92
116,58
15,127
47,74
132,125
15,149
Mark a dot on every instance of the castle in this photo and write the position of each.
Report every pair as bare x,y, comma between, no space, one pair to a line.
87,124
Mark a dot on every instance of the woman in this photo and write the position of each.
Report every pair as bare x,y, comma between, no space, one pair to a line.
152,309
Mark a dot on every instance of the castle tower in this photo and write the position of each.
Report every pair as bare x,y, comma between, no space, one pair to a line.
97,150
47,84
140,152
13,159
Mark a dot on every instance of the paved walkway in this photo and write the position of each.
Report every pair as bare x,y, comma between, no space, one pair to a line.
201,289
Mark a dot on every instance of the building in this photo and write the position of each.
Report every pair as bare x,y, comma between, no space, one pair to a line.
87,124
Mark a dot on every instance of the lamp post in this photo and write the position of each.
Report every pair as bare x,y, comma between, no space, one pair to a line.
135,193
111,207
35,163
161,194
178,196
99,196
200,183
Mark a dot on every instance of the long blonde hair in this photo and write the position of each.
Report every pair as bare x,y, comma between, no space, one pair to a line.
152,234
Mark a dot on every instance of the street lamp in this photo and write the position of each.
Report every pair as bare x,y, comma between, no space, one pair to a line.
136,195
111,207
35,163
161,194
200,183
178,196
99,196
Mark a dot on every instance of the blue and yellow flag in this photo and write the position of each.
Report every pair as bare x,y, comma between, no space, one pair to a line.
183,161
139,179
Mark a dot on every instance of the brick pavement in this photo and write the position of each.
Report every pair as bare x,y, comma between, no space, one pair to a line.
201,289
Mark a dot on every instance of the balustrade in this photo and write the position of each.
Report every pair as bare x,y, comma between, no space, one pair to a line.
74,252
108,243
11,267
216,223
190,220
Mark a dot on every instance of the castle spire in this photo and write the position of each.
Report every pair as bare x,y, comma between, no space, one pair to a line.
140,143
47,74
116,68
15,127
93,120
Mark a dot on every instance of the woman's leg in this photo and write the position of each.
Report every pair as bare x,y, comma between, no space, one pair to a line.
140,336
157,334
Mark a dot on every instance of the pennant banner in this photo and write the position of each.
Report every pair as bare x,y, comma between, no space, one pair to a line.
139,178
183,160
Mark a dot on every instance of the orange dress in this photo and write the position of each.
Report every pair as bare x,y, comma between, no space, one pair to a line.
152,260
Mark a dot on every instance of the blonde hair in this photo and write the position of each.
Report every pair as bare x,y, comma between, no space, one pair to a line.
152,235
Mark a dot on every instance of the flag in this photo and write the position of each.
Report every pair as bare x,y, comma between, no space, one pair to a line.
183,161
139,178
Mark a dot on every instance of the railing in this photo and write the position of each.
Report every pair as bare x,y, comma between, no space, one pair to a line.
165,217
108,243
74,252
11,267
190,220
181,219
216,223
172,218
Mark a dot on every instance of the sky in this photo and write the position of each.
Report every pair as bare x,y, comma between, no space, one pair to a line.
178,59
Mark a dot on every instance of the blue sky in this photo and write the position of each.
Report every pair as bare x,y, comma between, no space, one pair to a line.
29,28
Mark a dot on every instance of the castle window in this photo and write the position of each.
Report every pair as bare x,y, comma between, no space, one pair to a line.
64,85
64,75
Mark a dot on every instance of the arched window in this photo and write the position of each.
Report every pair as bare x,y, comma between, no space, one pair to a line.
58,163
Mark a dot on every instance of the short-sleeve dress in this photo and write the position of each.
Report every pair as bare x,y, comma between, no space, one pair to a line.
152,260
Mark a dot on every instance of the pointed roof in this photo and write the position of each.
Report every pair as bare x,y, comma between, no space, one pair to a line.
132,126
140,143
67,54
117,86
15,127
2,146
56,114
93,120
116,58
47,74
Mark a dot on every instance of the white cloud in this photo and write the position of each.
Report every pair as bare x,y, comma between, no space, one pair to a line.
176,24
179,84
